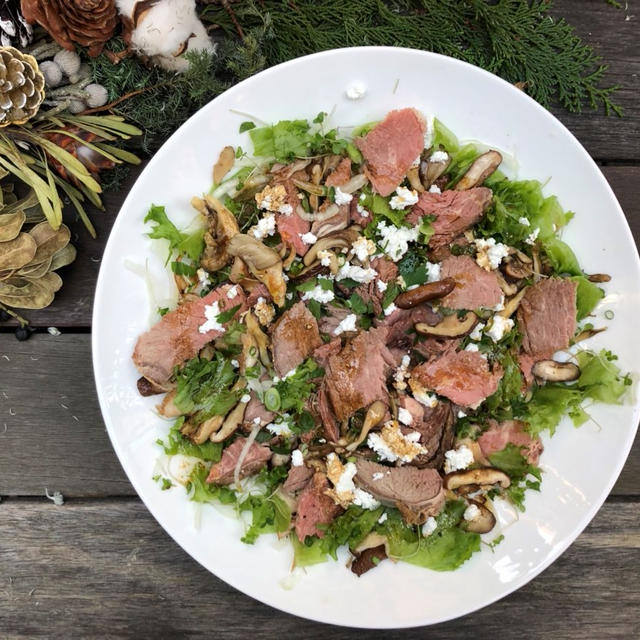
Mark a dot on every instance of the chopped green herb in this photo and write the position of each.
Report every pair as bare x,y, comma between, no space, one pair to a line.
191,244
246,126
225,316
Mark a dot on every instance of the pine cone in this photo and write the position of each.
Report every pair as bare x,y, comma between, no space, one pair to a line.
21,86
14,29
89,23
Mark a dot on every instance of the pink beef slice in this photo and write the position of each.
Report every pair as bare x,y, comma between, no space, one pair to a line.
297,479
391,147
455,211
547,317
340,174
255,409
356,377
462,376
401,322
474,288
294,338
321,354
256,457
417,489
314,508
292,226
327,417
499,435
176,336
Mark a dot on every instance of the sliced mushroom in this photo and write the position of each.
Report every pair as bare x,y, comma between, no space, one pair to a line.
230,424
310,187
251,186
250,352
241,275
223,226
431,170
481,168
483,522
450,327
286,171
588,333
167,407
413,176
263,262
353,184
424,292
260,337
205,429
147,387
338,240
374,416
599,277
486,476
280,459
517,269
512,304
507,289
466,489
552,371
223,165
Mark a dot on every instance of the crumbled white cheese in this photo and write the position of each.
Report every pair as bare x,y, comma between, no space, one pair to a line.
524,221
319,294
362,197
391,444
490,253
404,416
390,309
404,198
257,420
245,398
472,347
429,400
499,326
264,311
378,475
395,240
401,374
211,313
434,188
340,197
416,162
439,156
476,334
289,295
363,499
348,324
266,227
345,491
203,278
235,364
325,257
356,91
356,273
363,248
280,428
461,414
296,458
285,209
471,512
381,285
500,305
308,238
433,271
233,292
429,526
429,130
382,518
362,211
272,198
458,459
531,238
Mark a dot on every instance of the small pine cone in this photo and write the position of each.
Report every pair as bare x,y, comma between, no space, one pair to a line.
89,23
21,86
15,31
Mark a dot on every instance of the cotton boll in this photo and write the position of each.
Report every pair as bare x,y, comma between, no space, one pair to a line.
77,106
96,95
68,61
52,73
83,72
166,31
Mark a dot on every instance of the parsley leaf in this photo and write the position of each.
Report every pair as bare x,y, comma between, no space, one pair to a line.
246,126
225,316
523,475
296,388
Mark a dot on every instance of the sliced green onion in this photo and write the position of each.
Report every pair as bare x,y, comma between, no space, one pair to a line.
609,315
272,399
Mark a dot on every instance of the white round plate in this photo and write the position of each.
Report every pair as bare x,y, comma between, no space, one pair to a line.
580,465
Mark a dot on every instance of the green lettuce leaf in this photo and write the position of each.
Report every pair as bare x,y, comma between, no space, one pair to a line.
282,141
588,296
269,514
523,475
562,258
189,244
177,443
199,490
296,388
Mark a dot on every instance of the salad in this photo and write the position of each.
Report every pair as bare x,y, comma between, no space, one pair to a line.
372,332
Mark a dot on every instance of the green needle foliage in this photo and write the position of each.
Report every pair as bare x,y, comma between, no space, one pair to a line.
516,39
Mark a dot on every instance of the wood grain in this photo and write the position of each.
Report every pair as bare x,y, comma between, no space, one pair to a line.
44,445
105,569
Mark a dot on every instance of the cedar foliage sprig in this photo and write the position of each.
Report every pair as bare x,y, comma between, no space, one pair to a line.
515,39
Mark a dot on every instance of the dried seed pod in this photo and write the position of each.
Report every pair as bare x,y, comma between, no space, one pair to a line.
21,86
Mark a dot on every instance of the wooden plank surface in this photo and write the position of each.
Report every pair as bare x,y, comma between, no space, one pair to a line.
68,449
105,569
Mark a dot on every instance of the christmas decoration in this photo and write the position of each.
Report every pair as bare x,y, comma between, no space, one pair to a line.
15,31
88,23
21,86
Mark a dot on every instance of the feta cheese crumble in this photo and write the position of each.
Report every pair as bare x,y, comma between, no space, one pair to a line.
266,227
203,278
271,198
382,518
280,428
296,458
433,271
245,398
395,240
499,326
490,253
476,334
472,347
285,209
211,313
458,459
429,400
362,211
356,91
405,416
235,364
348,324
404,198
362,498
378,475
319,294
308,238
532,237
429,526
381,286
356,273
264,311
524,221
401,373
345,492
390,309
340,197
391,444
461,414
363,248
325,257
471,512
439,156
233,292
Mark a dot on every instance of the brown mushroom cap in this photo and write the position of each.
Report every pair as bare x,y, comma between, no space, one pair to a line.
483,522
450,327
481,168
338,240
552,371
485,476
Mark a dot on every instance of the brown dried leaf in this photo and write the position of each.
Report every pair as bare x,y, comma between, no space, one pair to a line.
18,252
30,293
49,241
223,166
10,225
62,258
35,270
